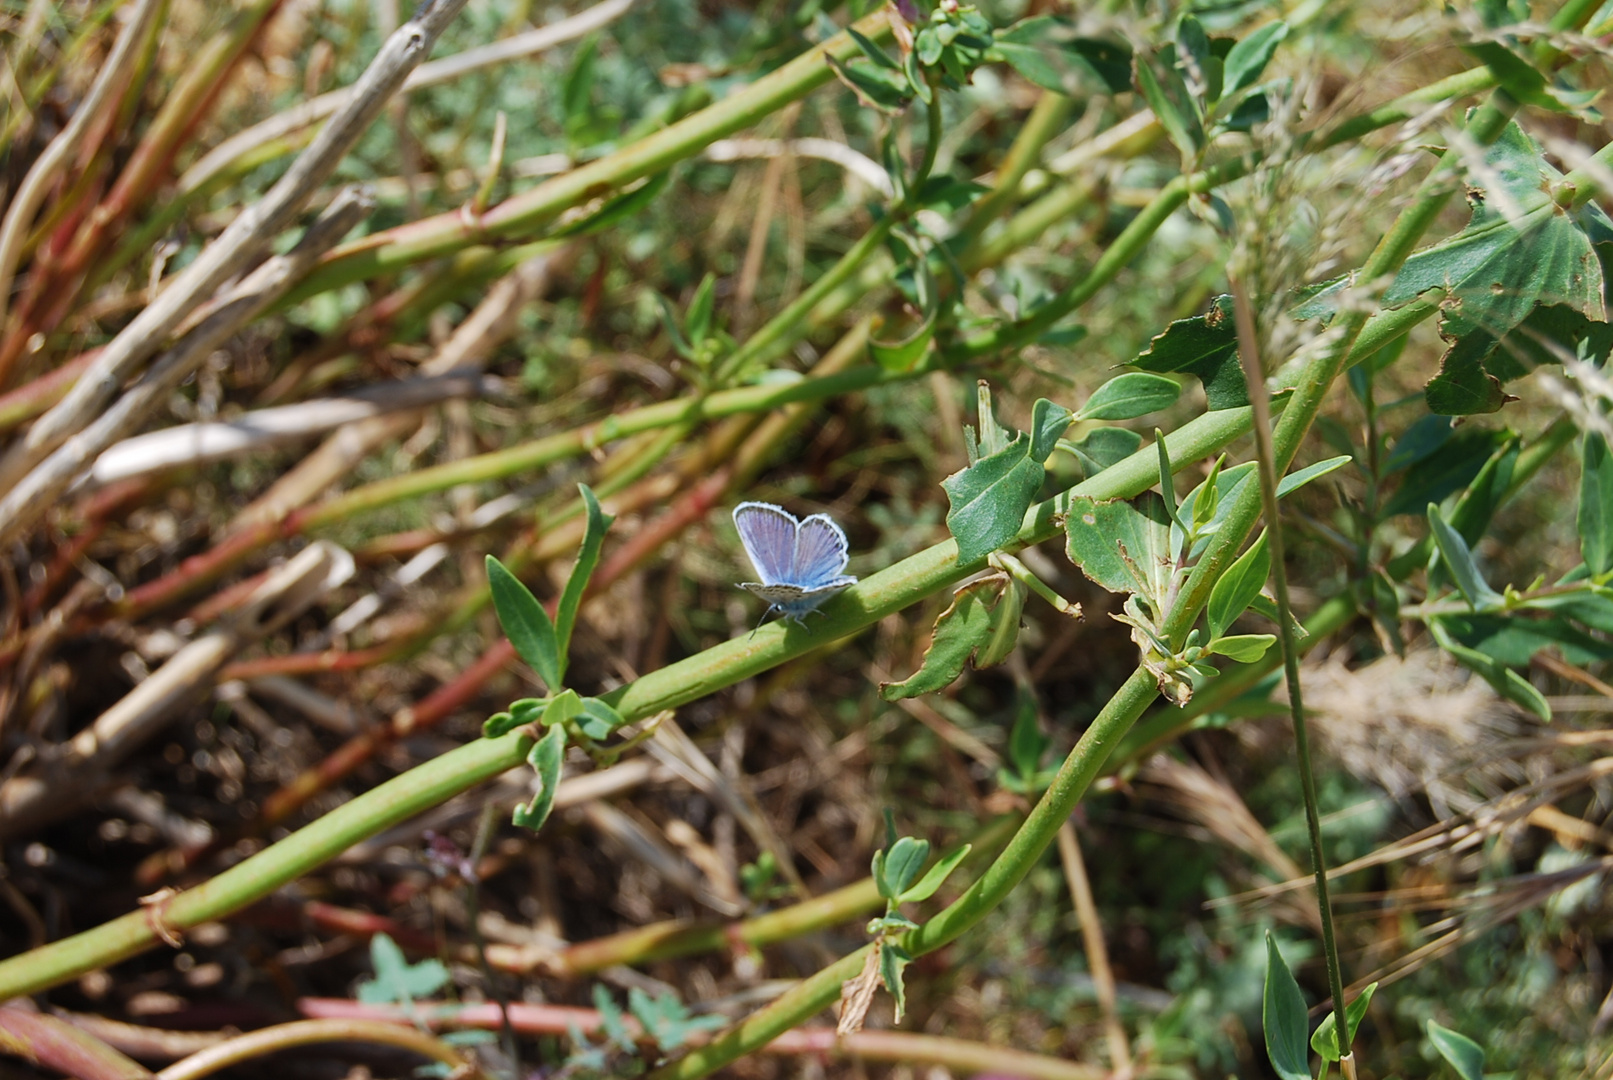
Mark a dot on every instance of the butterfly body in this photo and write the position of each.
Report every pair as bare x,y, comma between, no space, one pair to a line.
801,563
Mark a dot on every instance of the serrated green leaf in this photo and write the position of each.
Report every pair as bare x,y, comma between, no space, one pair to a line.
1595,517
526,624
937,874
1300,477
961,629
1518,252
1204,346
1244,648
1463,1054
1459,559
1247,59
1238,587
546,757
989,499
1283,1017
1324,1040
597,522
901,865
1122,546
1128,396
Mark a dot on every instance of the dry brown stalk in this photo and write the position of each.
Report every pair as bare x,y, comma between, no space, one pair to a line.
231,252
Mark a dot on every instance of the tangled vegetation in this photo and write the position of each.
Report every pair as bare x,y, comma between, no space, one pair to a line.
1202,655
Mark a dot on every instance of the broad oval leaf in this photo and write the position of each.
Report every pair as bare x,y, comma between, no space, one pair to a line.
1101,448
1049,422
901,865
989,499
1128,396
938,873
526,624
1244,648
1283,1016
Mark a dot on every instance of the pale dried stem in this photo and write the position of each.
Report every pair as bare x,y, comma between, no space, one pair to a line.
42,486
31,192
1103,976
292,120
77,771
228,255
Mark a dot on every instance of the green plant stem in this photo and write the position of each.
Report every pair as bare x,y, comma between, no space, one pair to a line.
435,781
521,215
1249,353
1047,117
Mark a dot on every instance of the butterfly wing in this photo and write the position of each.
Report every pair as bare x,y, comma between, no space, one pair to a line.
820,553
768,533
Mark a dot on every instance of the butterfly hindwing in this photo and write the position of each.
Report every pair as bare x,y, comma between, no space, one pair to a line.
820,552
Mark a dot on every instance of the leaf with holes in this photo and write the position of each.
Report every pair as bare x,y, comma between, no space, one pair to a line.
1122,545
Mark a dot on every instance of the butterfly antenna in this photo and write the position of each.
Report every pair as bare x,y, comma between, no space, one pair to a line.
768,611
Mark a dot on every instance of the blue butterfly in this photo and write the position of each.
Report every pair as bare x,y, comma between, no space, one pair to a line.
801,563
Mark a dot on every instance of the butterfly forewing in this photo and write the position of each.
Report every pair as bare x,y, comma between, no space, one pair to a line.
820,552
768,534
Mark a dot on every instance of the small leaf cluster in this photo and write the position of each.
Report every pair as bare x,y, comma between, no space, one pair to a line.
545,645
664,1021
951,42
1027,746
1146,547
695,337
896,870
396,981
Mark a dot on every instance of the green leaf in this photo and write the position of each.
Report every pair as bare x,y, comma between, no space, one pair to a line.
1244,648
1283,1017
546,757
1049,422
1515,639
587,558
872,51
938,873
1103,447
1128,396
396,980
962,628
1519,251
1487,491
1162,87
1463,1054
526,624
698,321
875,86
1238,587
1298,479
610,1018
525,711
1459,558
1004,633
1026,743
1205,346
900,865
989,499
1521,79
1249,57
617,208
1507,682
578,89
1324,1040
562,709
892,961
1038,63
598,719
1110,61
1444,461
1122,546
1596,504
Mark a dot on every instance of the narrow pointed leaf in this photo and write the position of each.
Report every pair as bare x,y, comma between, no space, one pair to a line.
1283,1017
937,874
1298,479
1459,559
1238,587
1324,1040
587,559
1464,1055
1249,57
526,624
